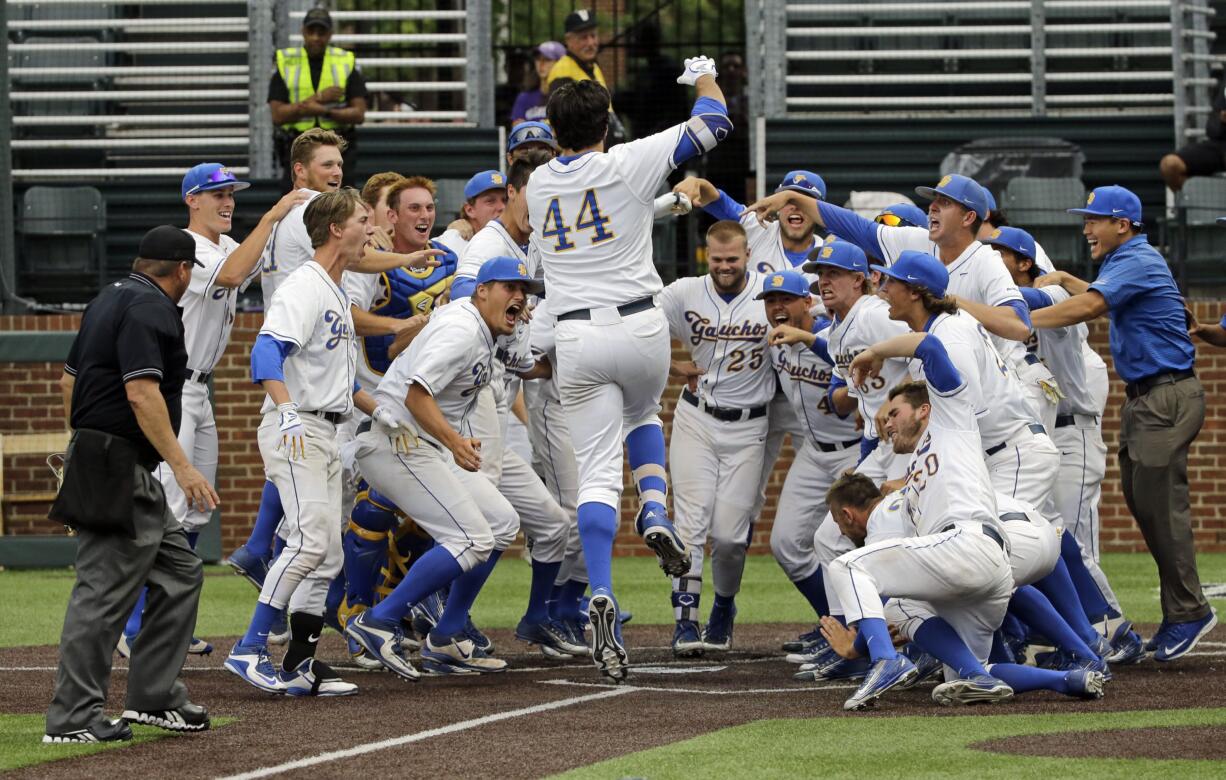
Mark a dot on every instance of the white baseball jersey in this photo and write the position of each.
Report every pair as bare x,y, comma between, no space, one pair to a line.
999,401
947,479
889,519
491,241
805,378
452,359
725,338
766,252
978,274
310,312
603,204
1067,353
867,323
361,290
208,308
288,247
454,241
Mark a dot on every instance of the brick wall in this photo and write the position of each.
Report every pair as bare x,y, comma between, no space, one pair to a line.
30,402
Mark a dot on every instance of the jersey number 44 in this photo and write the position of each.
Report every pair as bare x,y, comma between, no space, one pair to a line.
588,219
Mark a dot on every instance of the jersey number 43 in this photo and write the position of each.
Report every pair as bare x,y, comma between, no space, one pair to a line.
589,218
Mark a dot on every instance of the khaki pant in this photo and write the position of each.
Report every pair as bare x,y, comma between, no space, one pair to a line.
1156,430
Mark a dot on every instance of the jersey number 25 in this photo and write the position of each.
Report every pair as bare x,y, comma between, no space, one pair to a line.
589,218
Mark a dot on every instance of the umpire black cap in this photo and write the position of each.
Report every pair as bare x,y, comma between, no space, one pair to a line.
582,19
167,242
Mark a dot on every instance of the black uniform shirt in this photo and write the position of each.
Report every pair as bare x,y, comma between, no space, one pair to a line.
131,330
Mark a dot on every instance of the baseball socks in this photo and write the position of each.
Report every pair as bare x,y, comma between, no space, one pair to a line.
645,451
304,632
937,638
259,543
1092,601
261,624
597,527
1037,612
1059,589
462,595
814,591
539,590
565,605
429,573
877,638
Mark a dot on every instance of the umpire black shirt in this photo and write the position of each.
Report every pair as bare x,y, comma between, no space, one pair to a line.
131,330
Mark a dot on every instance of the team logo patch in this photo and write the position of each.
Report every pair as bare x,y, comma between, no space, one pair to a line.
798,178
523,270
830,239
995,233
945,180
496,178
776,281
827,251
1090,199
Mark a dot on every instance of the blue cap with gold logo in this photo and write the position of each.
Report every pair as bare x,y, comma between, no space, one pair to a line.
789,282
837,254
508,269
807,182
484,181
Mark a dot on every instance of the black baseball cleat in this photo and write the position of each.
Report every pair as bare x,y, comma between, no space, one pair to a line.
608,650
107,731
185,717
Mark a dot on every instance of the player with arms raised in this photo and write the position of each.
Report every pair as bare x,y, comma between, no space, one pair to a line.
591,215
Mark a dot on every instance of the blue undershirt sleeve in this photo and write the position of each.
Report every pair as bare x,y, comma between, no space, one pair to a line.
1035,298
851,227
835,384
725,208
268,358
821,348
1022,309
707,126
940,370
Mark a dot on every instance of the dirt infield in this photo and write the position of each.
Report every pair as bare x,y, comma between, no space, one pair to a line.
528,721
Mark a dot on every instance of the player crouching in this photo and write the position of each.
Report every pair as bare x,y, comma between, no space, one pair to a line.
419,459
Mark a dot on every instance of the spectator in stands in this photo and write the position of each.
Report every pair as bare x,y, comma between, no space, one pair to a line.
316,85
530,104
1200,158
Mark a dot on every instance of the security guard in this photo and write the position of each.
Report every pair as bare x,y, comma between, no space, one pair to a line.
316,85
122,385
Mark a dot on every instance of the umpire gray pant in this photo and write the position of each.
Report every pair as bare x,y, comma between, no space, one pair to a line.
111,570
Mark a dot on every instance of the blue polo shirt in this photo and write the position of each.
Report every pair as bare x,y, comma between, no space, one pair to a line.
1149,334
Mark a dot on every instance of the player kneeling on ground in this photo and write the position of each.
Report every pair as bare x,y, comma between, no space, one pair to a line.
416,457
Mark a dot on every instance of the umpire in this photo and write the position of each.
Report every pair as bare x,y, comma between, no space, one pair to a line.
1165,408
122,384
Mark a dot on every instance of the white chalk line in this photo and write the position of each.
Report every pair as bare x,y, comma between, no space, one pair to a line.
407,739
734,692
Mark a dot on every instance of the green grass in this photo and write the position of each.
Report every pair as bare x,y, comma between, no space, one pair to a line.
903,747
21,741
33,603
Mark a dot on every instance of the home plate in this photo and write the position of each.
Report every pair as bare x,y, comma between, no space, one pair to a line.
676,669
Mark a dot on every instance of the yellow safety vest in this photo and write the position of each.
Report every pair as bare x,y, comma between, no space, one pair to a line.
295,70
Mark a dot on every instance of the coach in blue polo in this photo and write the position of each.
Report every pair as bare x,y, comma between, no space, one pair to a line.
1165,408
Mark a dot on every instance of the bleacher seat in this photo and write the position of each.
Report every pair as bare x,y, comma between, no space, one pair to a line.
1040,207
1203,241
62,250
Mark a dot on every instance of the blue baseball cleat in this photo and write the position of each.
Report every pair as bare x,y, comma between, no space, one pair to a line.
687,640
883,676
1127,646
382,641
248,565
608,651
252,664
1085,683
457,655
1179,638
552,637
717,635
427,612
976,689
805,642
479,639
658,532
315,678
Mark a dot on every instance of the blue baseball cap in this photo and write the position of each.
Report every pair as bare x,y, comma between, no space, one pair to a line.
210,176
908,214
807,182
1112,201
1013,238
918,269
837,254
483,182
508,269
959,189
531,132
789,282
991,199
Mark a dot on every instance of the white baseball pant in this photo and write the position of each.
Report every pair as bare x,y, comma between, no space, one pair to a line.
1083,464
783,421
310,491
553,457
198,438
802,507
1042,405
1034,547
715,467
612,370
963,573
1026,468
460,509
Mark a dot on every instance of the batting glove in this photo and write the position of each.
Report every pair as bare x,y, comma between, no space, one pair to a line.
402,438
695,68
293,434
672,204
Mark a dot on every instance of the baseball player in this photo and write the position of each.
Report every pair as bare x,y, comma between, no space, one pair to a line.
831,443
1078,435
591,215
305,358
546,525
530,136
868,517
485,196
224,267
957,557
978,282
719,429
423,460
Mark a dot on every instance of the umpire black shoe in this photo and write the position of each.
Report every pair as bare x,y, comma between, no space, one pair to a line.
185,717
107,731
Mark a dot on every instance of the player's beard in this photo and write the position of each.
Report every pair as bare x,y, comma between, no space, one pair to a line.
906,436
735,287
